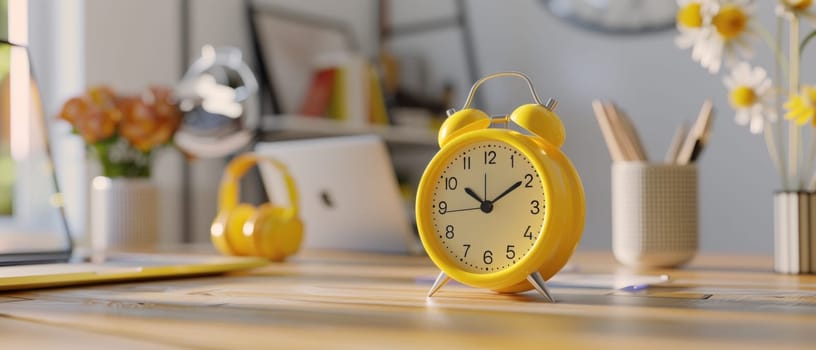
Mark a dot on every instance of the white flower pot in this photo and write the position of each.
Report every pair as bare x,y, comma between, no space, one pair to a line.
124,214
795,232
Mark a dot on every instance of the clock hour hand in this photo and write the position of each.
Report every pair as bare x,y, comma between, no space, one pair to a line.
473,194
510,189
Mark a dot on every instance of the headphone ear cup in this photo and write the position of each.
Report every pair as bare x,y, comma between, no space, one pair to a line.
238,240
461,122
276,233
218,233
293,229
542,122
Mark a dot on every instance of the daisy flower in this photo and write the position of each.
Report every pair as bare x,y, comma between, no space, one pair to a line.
689,23
790,8
751,96
802,107
724,32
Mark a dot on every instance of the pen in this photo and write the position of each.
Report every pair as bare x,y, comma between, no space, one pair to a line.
697,136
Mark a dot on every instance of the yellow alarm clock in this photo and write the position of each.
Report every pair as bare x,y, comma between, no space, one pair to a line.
497,208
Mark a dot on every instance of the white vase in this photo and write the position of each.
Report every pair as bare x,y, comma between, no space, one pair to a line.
124,214
795,232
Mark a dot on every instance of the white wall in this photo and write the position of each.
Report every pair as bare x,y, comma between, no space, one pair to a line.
130,45
57,53
134,43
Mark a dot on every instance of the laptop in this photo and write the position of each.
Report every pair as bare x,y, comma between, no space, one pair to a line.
349,196
33,225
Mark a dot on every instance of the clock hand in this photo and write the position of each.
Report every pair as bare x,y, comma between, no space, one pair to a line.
466,209
485,183
486,206
510,189
473,194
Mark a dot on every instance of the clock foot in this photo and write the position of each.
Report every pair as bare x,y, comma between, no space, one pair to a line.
440,282
539,284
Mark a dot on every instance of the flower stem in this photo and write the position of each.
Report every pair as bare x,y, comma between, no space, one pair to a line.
120,168
811,157
778,69
781,60
794,132
805,41
773,151
812,182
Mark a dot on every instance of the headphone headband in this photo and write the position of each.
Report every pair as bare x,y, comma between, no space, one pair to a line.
230,187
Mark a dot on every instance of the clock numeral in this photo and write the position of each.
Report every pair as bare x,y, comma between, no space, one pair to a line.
467,247
466,162
451,183
449,232
528,233
512,162
510,252
529,179
487,257
535,209
443,207
490,157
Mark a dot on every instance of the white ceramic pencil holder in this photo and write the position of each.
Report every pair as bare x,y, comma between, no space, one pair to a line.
654,214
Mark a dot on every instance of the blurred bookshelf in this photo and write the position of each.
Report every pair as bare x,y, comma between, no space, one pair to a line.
287,127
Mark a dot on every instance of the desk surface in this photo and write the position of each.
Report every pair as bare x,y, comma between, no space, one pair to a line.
345,300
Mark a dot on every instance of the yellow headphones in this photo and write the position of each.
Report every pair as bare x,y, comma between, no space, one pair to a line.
268,230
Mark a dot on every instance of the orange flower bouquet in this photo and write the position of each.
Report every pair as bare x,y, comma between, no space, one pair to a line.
122,131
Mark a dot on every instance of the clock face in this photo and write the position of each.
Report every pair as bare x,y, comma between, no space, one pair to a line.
488,207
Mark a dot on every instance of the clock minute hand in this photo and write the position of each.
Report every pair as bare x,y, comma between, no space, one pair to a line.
513,187
473,194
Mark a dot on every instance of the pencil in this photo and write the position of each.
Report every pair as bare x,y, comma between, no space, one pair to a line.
606,130
632,134
627,146
677,141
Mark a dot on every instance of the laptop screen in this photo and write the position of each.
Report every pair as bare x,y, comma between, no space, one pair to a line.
31,214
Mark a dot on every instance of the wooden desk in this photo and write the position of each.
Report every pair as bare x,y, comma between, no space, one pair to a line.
343,300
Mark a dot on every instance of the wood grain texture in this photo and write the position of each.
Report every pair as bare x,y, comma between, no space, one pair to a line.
353,300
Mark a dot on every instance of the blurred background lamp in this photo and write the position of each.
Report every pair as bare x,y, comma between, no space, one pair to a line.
218,96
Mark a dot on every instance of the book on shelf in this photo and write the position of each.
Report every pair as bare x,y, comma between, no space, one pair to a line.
378,113
319,94
347,88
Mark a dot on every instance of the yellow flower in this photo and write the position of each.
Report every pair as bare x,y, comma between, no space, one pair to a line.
802,107
751,96
722,34
791,8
